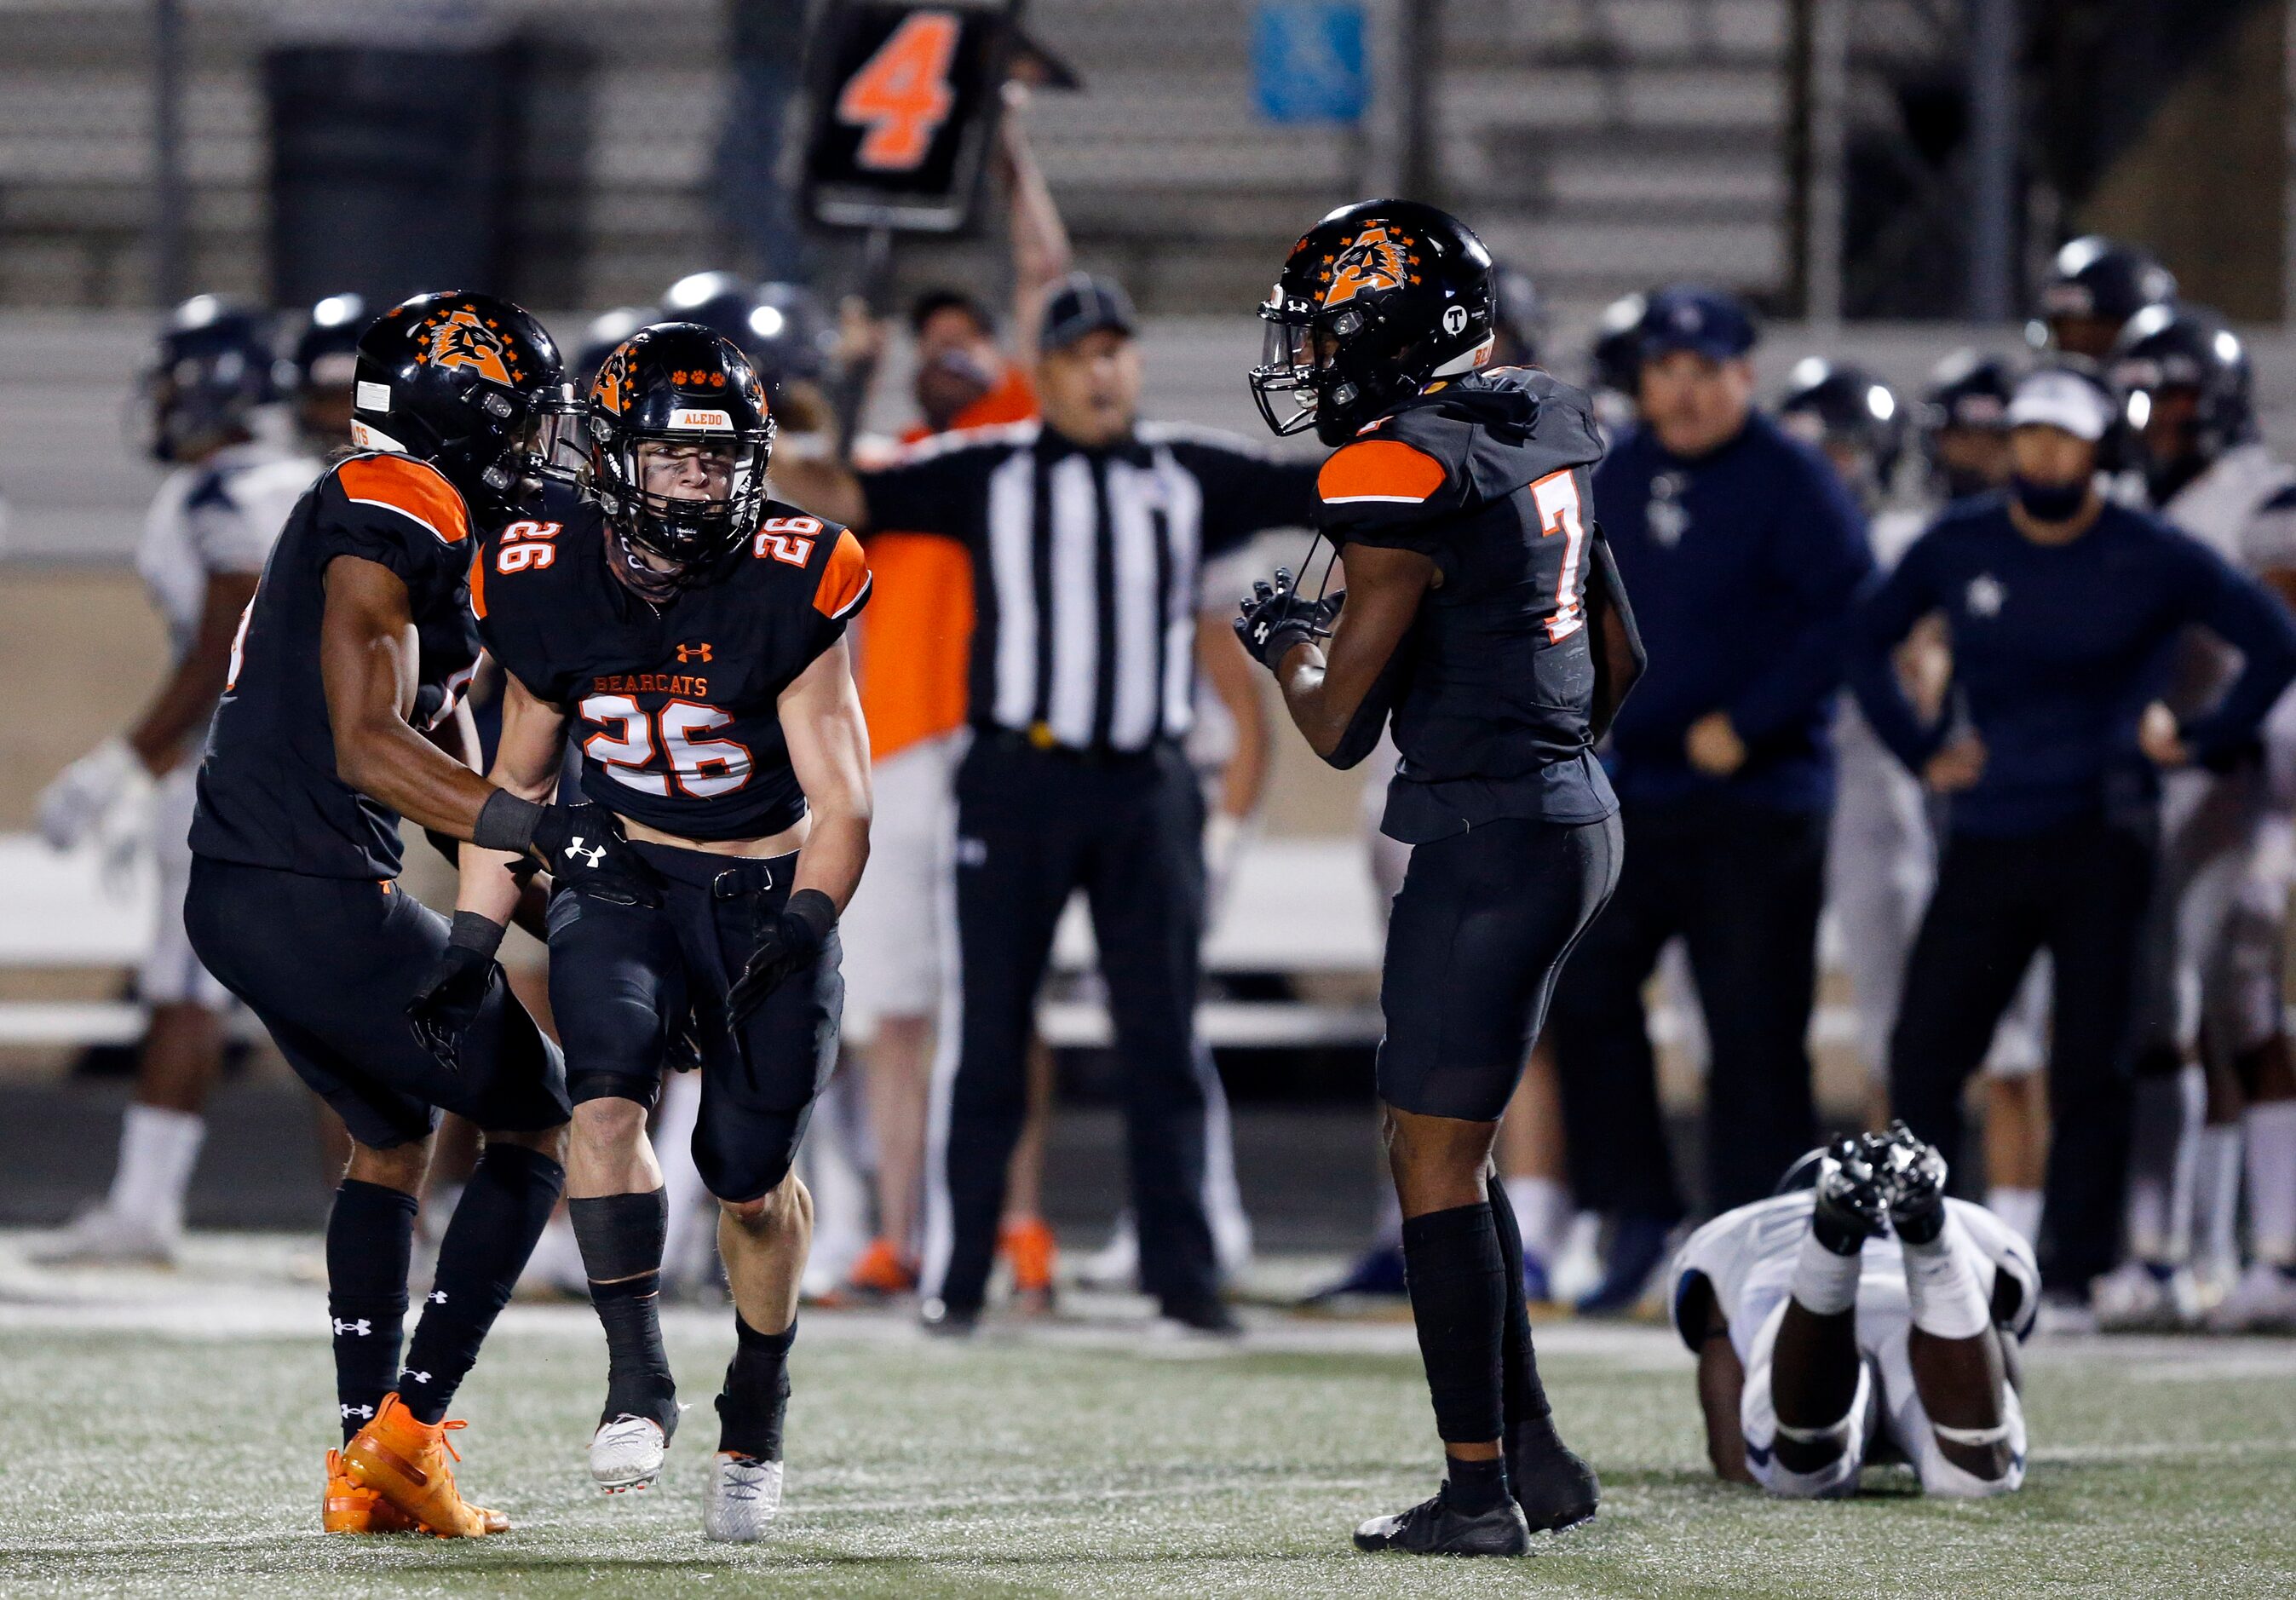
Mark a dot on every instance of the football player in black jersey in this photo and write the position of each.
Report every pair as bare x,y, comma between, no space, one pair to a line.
341,714
688,633
1483,617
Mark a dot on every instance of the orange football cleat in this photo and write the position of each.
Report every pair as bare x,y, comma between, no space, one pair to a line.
405,1461
881,1270
1026,1242
352,1508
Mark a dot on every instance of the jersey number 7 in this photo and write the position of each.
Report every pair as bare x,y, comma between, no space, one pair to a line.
1557,496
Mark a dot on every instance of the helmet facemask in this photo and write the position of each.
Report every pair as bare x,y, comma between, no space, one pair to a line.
679,501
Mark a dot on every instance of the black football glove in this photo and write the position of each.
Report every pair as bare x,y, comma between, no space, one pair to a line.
583,847
1275,616
789,940
456,988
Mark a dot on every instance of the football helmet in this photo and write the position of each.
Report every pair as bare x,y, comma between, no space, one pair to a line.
1518,313
1850,414
2094,285
210,372
678,384
1375,301
606,330
2188,348
1968,393
318,372
472,385
782,328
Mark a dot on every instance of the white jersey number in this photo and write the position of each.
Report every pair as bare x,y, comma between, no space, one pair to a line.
628,740
1556,495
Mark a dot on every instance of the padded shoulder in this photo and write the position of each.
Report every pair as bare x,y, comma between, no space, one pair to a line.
412,490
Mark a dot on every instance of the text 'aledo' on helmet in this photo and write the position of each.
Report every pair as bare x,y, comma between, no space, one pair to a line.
211,370
2186,383
1376,301
472,385
680,436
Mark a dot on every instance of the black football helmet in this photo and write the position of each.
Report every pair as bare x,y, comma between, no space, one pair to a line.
1376,301
317,374
1614,361
2189,348
607,330
472,385
678,384
2094,285
211,370
1968,392
1519,313
782,328
1848,412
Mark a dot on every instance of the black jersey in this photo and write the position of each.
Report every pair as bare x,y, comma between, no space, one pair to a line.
268,795
677,704
1488,475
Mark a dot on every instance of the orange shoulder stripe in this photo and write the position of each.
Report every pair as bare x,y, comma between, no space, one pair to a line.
413,488
1380,470
478,579
844,580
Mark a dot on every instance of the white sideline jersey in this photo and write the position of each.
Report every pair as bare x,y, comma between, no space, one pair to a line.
220,516
1747,1256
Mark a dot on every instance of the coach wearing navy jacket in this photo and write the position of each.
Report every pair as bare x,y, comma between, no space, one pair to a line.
1744,554
2064,611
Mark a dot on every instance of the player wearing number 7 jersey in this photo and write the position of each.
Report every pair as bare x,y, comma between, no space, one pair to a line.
1482,617
688,634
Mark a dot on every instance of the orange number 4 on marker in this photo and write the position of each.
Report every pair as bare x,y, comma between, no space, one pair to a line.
902,96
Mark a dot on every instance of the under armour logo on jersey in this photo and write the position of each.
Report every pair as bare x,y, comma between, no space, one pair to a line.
692,653
362,1327
591,856
366,1413
438,1297
1986,593
420,1377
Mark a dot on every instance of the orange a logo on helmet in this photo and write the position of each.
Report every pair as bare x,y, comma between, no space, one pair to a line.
610,389
461,340
1374,260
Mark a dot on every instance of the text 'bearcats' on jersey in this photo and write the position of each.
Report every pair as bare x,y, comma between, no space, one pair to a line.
1487,475
269,793
679,725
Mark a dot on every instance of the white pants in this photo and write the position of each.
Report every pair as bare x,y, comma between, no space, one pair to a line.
2214,940
1888,1421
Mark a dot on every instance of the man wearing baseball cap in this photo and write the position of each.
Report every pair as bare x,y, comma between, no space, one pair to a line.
1087,533
1750,552
2063,609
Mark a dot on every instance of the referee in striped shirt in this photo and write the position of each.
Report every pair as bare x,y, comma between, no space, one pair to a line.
1088,532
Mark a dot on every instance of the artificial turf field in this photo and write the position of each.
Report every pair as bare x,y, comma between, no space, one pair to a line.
162,1434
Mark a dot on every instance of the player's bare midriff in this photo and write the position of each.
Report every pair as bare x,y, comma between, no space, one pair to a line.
789,839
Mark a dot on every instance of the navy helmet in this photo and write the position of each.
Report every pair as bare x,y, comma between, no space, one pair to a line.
212,369
783,328
2169,348
1968,393
2094,285
1848,412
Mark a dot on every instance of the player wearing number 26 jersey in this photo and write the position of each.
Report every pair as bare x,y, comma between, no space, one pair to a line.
687,634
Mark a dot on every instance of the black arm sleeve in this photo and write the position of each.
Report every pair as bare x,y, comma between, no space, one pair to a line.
1620,657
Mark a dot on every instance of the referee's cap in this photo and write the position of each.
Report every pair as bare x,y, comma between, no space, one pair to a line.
2057,397
1080,304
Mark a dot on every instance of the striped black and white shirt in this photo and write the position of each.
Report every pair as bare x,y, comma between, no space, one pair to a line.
1086,564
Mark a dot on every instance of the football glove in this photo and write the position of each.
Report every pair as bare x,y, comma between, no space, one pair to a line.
791,940
107,796
583,847
1275,616
456,988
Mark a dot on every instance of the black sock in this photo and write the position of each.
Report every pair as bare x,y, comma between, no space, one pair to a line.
502,1213
1475,1487
756,1392
1458,1301
1526,1396
370,1238
622,1236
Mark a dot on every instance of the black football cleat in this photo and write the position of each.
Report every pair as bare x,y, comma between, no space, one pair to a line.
1852,1200
1915,1175
1553,1486
1437,1527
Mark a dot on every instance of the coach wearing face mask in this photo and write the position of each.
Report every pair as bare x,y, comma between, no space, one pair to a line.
2063,611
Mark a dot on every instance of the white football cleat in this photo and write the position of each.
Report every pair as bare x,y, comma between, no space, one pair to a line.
2263,1302
2144,1297
744,1494
625,1453
103,1237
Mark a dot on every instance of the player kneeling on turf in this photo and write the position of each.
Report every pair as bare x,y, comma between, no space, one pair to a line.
695,630
1864,1318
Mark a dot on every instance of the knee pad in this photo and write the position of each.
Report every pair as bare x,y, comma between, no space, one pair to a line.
599,1084
749,1161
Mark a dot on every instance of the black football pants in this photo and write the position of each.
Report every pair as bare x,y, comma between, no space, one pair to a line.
1742,886
1032,826
2079,892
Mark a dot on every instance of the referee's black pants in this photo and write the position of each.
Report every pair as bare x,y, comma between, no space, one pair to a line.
1742,885
2079,890
1033,825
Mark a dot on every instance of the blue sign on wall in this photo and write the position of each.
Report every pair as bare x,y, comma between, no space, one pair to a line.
1307,61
